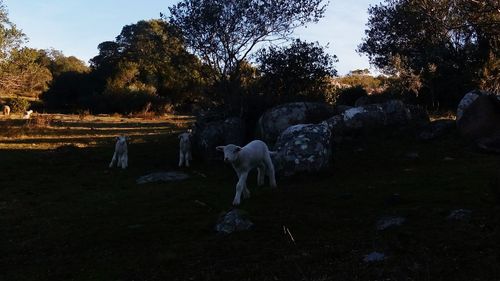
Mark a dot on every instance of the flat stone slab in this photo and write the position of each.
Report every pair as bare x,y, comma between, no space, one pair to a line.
374,257
386,222
162,177
234,220
460,215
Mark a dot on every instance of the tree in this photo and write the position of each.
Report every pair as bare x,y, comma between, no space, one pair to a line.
300,71
58,63
10,36
440,45
148,56
22,74
224,32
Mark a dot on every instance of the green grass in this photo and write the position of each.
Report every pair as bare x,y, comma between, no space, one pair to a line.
65,216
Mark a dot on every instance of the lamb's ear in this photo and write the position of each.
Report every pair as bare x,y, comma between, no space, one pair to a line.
220,148
238,149
116,138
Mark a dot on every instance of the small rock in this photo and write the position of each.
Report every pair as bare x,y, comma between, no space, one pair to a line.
412,155
135,226
234,220
374,257
394,199
386,222
345,195
460,215
162,176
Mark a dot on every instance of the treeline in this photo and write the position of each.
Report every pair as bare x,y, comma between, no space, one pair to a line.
205,54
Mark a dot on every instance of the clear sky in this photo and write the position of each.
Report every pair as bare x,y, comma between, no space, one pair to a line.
77,26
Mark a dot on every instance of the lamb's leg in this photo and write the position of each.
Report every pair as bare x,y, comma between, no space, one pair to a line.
242,179
125,161
270,170
181,158
113,160
261,173
187,156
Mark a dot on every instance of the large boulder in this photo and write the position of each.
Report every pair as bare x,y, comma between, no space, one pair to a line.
437,129
478,116
209,135
393,113
478,119
274,121
303,148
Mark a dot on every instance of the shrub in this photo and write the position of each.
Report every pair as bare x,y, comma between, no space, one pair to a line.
348,96
19,105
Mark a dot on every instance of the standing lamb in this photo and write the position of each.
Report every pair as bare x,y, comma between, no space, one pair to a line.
27,114
6,110
185,148
121,153
253,155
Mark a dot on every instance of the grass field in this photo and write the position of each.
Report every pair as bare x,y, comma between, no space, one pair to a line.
65,216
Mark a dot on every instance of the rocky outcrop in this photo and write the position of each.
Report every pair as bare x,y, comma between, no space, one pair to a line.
208,135
275,121
393,113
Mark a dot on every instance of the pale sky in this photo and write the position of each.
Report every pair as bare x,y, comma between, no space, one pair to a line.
76,27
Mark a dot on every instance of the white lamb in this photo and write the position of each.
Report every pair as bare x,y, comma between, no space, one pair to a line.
6,110
185,148
27,114
253,155
121,153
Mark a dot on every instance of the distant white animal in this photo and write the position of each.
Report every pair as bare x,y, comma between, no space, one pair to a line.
255,154
121,153
27,114
6,110
185,148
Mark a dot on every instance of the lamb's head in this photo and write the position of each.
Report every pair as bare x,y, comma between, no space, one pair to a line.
122,140
231,152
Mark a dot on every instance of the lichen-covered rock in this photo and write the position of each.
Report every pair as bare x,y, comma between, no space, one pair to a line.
480,118
274,121
466,101
303,148
437,129
393,113
208,135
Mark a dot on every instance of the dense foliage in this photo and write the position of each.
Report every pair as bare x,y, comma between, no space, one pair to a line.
297,72
441,48
224,32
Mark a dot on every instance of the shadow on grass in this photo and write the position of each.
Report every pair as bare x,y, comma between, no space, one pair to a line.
66,216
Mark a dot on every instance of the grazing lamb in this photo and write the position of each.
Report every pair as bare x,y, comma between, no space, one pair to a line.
6,110
253,155
121,153
185,148
27,114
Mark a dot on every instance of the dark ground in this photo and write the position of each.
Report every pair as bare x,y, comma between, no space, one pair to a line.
65,216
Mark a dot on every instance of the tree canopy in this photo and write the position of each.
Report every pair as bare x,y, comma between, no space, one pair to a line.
444,44
10,36
148,56
224,32
300,71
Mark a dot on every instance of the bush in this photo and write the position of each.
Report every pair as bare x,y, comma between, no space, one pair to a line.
348,96
19,105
